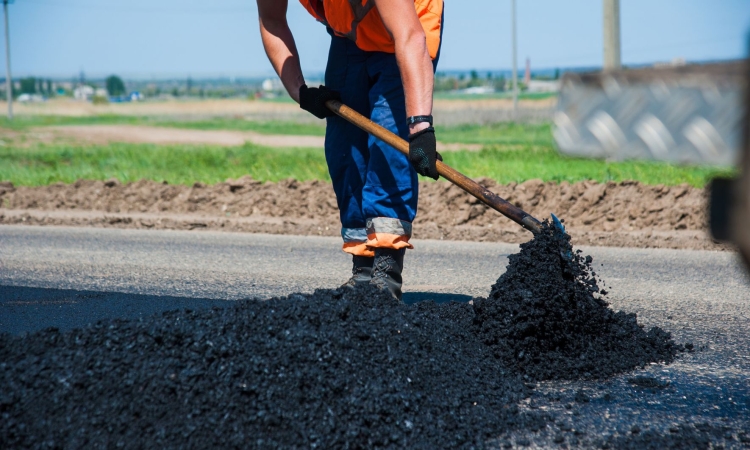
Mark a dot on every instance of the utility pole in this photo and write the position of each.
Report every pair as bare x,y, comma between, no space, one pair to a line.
612,34
8,79
515,58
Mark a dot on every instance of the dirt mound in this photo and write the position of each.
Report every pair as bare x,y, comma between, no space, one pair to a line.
241,198
627,205
336,369
546,317
612,214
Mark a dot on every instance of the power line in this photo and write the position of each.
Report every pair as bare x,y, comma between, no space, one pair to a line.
515,57
8,78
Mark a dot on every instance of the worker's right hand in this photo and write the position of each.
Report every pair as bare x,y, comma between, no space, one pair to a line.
314,100
423,153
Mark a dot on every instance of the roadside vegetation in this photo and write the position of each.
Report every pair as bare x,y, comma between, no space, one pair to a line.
458,95
495,134
216,123
511,152
516,161
47,164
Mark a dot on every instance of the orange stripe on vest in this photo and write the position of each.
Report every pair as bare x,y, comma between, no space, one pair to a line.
360,21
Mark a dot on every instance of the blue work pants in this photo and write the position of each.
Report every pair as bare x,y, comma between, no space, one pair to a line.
376,186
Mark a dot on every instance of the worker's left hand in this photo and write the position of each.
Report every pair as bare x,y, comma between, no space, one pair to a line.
423,153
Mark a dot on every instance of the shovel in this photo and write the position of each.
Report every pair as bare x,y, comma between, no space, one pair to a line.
487,197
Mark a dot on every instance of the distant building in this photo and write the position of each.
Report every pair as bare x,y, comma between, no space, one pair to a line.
478,90
30,98
543,86
272,84
83,92
675,62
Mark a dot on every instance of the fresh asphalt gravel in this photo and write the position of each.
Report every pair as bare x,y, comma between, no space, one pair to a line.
68,277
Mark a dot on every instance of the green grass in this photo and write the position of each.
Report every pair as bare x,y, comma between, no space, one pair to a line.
282,98
21,122
545,163
494,95
497,134
288,128
512,153
46,164
216,123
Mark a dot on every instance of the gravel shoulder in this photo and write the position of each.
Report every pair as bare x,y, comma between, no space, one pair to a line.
626,214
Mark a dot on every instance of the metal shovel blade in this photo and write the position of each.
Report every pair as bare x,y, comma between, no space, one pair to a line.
556,222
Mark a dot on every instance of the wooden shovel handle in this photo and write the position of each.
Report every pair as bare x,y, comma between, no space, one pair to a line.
487,197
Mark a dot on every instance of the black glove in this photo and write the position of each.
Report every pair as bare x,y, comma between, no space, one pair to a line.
423,153
314,100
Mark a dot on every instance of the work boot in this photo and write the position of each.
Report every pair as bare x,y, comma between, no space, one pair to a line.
361,271
386,271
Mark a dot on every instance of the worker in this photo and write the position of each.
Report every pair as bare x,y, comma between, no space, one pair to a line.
381,63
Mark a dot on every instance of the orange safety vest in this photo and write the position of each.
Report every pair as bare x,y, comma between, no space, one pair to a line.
360,21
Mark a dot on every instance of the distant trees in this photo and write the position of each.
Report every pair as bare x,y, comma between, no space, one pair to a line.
28,85
445,82
33,85
115,86
499,83
474,80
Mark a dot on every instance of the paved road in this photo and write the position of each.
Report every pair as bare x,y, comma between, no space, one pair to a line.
232,266
68,277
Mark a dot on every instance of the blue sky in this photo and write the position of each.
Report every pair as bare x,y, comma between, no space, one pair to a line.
163,38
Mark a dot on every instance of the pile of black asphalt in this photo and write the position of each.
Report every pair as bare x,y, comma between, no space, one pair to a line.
335,369
344,368
547,317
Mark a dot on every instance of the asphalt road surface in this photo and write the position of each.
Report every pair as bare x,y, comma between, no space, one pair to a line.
68,277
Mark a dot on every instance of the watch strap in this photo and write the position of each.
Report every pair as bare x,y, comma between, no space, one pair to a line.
419,119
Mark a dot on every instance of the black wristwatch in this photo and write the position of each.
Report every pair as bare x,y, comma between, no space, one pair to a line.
419,119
